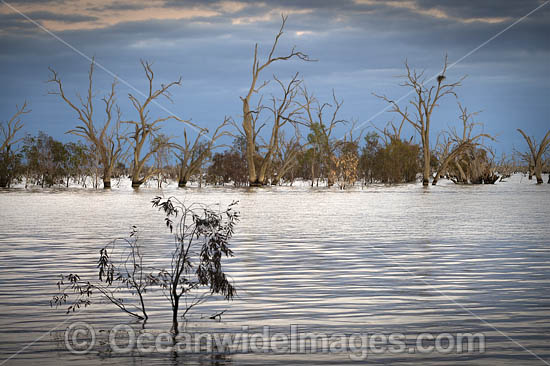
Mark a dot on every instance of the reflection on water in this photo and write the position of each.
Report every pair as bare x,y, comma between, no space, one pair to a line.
384,259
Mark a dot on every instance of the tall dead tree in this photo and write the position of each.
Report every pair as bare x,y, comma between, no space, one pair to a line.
256,174
282,110
426,98
106,139
8,131
192,155
145,129
537,151
454,144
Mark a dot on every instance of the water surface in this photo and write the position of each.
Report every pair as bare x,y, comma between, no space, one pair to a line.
381,259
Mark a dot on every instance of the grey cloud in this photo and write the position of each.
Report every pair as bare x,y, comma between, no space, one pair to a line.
475,9
358,55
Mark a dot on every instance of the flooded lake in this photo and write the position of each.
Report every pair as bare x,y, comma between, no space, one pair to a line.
402,259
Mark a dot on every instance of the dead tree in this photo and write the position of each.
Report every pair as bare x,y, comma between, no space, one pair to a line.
106,139
146,129
454,144
283,110
527,159
8,131
322,119
161,158
424,102
256,174
192,155
285,157
536,152
505,167
391,132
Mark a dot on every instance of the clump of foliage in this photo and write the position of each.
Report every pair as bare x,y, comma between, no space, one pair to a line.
229,166
346,164
120,268
202,237
397,162
390,160
202,240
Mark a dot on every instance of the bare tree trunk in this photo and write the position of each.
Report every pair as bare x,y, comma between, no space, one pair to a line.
106,140
425,100
145,127
250,144
538,172
537,151
426,173
107,177
256,175
463,177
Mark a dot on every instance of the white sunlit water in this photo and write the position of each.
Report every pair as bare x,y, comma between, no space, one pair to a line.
382,259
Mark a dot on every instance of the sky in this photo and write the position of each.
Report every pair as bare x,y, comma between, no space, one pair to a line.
360,47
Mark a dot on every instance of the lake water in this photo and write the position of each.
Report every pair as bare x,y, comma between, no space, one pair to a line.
399,259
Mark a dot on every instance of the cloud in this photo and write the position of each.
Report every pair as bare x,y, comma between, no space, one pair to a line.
86,15
360,47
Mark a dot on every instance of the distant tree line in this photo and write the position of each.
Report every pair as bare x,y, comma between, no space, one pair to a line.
43,161
283,137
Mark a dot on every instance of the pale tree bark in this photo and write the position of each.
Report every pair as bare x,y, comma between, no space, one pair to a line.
257,174
528,159
322,119
285,156
284,110
455,144
505,166
192,155
8,131
424,102
536,152
106,139
146,129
